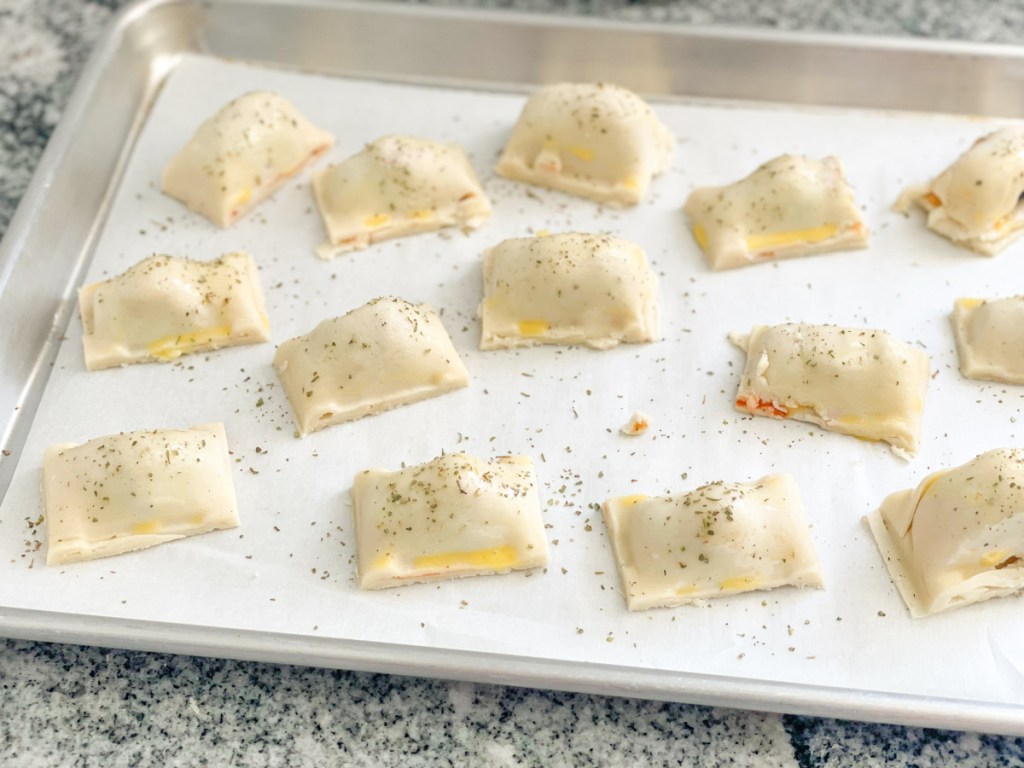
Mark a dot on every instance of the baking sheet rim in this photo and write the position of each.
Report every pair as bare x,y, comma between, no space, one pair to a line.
505,669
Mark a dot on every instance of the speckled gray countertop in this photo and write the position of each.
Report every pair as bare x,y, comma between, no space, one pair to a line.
68,705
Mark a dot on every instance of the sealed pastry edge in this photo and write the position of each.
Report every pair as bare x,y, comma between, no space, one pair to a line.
313,423
466,217
134,542
612,512
364,576
95,360
899,569
970,367
892,557
853,238
513,166
917,195
648,314
902,446
261,192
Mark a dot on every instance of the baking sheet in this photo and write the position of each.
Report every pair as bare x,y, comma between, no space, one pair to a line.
289,568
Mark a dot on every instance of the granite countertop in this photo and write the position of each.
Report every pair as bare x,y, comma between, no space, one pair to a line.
70,705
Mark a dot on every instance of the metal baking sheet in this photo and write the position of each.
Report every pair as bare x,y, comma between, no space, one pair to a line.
784,651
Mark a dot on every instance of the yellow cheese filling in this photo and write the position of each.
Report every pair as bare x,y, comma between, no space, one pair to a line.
771,240
740,582
173,347
994,557
630,501
533,327
242,197
583,153
700,236
495,558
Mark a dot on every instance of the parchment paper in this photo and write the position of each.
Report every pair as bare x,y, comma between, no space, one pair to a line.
289,567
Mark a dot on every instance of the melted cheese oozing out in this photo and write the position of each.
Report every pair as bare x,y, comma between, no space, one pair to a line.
165,306
790,206
241,155
157,486
859,382
454,516
957,538
610,157
382,355
571,288
720,538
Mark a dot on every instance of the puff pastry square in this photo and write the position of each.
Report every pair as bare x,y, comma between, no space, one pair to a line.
592,140
958,538
165,307
573,288
990,338
379,356
397,186
854,381
241,155
454,516
976,202
790,206
720,539
135,490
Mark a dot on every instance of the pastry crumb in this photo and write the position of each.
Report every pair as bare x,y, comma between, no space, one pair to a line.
637,424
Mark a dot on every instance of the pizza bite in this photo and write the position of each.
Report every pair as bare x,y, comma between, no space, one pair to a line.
397,186
854,381
573,288
454,516
958,538
720,539
135,490
241,155
381,355
976,201
592,140
165,307
790,206
990,338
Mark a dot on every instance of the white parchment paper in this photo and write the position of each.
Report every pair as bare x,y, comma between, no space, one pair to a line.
289,567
